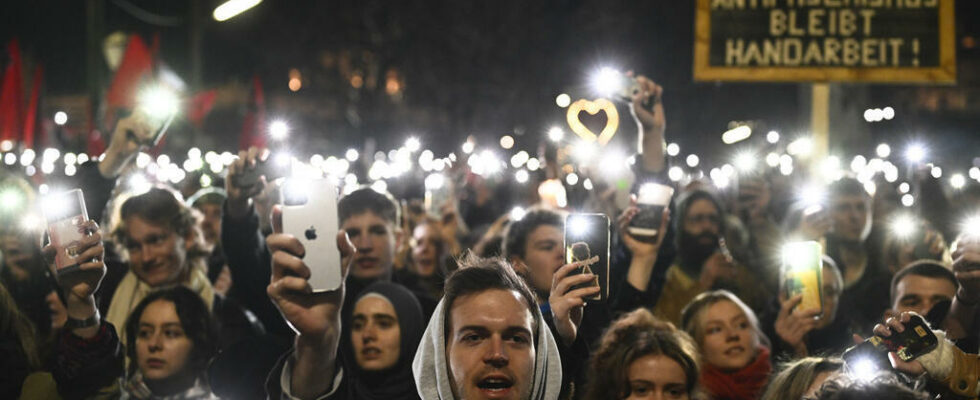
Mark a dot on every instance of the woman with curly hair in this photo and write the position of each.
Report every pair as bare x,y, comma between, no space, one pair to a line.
642,357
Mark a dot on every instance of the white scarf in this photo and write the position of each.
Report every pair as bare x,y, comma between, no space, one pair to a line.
132,290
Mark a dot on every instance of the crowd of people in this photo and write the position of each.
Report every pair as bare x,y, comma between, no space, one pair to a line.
208,298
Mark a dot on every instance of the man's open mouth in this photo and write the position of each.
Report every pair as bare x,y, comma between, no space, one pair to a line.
495,383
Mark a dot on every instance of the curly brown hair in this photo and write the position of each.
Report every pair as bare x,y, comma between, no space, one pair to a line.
631,337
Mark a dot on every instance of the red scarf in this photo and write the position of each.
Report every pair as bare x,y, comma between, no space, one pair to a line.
744,384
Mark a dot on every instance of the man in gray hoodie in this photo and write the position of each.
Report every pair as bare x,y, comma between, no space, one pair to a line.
487,339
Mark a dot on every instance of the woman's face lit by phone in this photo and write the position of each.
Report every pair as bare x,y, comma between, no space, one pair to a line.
162,347
730,341
656,376
157,254
375,334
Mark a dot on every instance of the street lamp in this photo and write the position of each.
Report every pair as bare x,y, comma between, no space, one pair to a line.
231,8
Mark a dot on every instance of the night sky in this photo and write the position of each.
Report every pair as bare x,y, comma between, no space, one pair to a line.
466,68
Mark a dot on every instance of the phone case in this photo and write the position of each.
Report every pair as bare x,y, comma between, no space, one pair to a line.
917,339
589,242
65,213
803,273
315,225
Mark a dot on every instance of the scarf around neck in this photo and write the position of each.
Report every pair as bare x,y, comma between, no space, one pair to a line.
135,388
131,291
744,384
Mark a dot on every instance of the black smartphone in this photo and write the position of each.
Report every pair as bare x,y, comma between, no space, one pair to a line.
587,236
265,168
917,339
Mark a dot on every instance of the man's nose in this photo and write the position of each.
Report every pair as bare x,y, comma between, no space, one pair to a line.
362,244
140,256
926,307
496,355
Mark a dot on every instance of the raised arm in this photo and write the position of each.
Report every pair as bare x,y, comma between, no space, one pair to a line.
648,112
314,316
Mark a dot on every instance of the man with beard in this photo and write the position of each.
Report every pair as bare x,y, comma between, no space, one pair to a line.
702,264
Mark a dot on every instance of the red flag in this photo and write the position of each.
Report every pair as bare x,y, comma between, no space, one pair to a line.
30,121
253,130
137,62
11,95
200,105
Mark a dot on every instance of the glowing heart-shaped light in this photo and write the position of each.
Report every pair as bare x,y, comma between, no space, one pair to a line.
593,108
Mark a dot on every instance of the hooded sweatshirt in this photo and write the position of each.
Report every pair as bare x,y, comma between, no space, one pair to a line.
432,372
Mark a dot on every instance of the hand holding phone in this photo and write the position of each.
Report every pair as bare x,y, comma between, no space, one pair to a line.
907,335
584,277
587,238
66,219
309,213
651,200
802,273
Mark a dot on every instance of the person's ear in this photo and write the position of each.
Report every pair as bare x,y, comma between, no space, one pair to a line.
519,266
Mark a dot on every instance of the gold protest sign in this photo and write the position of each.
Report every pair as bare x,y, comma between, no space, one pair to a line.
825,40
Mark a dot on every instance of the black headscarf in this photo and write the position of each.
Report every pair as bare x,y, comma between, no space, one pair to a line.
396,382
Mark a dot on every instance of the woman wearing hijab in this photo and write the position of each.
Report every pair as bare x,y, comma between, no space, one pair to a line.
385,330
377,347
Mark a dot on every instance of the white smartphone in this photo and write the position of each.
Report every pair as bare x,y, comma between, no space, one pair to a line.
309,213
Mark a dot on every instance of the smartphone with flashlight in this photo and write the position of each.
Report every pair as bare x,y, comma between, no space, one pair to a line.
437,194
917,339
64,214
309,213
266,168
587,236
651,199
803,273
159,106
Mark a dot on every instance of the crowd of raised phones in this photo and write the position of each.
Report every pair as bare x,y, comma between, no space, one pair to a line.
206,297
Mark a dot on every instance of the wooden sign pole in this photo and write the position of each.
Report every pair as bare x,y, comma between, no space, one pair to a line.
820,121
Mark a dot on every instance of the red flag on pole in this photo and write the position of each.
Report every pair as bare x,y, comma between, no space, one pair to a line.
11,95
137,63
253,129
30,121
